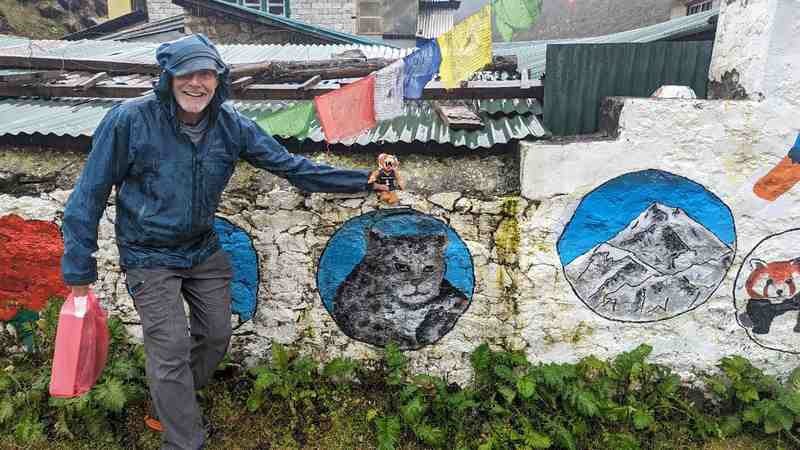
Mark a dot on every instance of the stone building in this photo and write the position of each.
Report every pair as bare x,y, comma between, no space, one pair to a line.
397,23
562,248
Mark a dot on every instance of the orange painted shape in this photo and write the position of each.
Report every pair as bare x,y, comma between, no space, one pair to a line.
780,179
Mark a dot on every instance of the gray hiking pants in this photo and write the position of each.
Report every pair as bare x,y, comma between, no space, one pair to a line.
181,357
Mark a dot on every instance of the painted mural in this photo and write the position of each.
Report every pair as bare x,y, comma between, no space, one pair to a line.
782,177
396,275
766,292
30,269
647,246
244,285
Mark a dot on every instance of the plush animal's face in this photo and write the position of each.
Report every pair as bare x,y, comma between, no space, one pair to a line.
775,280
411,267
388,162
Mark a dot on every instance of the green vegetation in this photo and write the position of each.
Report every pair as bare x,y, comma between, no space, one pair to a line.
294,402
507,236
24,19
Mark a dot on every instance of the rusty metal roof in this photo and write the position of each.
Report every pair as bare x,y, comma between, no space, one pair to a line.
506,121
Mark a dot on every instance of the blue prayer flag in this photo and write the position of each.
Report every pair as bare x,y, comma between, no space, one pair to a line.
419,67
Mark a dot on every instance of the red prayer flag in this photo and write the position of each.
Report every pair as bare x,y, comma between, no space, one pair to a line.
347,111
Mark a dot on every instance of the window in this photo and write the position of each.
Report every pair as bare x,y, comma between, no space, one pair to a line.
277,7
698,6
369,17
255,4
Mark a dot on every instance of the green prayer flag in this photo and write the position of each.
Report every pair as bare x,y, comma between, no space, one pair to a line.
511,16
293,121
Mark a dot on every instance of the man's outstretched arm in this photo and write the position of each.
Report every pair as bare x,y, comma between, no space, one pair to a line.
263,151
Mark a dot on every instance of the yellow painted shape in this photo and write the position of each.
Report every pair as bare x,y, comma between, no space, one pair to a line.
118,8
467,48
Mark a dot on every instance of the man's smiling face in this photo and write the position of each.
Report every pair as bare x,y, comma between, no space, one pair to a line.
194,92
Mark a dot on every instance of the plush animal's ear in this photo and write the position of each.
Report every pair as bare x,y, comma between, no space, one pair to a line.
757,264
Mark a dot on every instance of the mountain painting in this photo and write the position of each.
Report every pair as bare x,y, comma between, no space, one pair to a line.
647,246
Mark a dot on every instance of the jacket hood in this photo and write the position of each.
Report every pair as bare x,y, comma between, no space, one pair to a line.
170,55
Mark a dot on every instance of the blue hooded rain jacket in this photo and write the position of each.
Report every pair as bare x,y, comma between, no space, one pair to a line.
167,188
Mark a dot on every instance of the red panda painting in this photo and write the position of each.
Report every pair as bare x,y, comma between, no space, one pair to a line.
773,280
772,287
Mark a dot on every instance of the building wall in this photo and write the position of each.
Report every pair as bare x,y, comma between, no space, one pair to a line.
551,254
227,30
474,196
161,9
729,162
334,14
331,14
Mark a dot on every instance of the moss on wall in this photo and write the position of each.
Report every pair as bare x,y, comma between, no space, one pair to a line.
507,235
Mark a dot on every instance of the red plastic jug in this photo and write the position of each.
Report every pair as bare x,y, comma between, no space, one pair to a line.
81,346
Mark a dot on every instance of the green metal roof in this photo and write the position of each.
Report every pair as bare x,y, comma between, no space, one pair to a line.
533,54
327,34
506,121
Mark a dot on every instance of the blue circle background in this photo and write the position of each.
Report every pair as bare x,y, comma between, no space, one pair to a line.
244,285
609,208
348,245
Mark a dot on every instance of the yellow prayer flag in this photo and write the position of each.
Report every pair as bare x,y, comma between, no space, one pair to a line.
467,48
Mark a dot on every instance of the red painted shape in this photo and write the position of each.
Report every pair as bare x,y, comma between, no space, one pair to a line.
30,264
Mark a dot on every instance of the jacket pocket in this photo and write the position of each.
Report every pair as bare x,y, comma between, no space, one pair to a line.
214,174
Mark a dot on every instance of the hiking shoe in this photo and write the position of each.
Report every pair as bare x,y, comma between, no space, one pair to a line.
153,423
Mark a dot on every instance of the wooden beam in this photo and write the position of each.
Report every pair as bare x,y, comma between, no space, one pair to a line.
434,91
91,82
333,69
268,71
18,79
81,65
310,83
242,83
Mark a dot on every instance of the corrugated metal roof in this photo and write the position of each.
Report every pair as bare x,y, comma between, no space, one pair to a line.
433,22
580,75
422,124
162,30
506,120
533,54
73,117
144,52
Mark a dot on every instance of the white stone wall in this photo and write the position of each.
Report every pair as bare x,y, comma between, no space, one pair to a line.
161,9
758,41
723,145
290,229
334,14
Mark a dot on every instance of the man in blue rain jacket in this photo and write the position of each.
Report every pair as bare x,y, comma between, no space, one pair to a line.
169,155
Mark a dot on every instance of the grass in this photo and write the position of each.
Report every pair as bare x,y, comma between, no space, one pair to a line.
25,20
